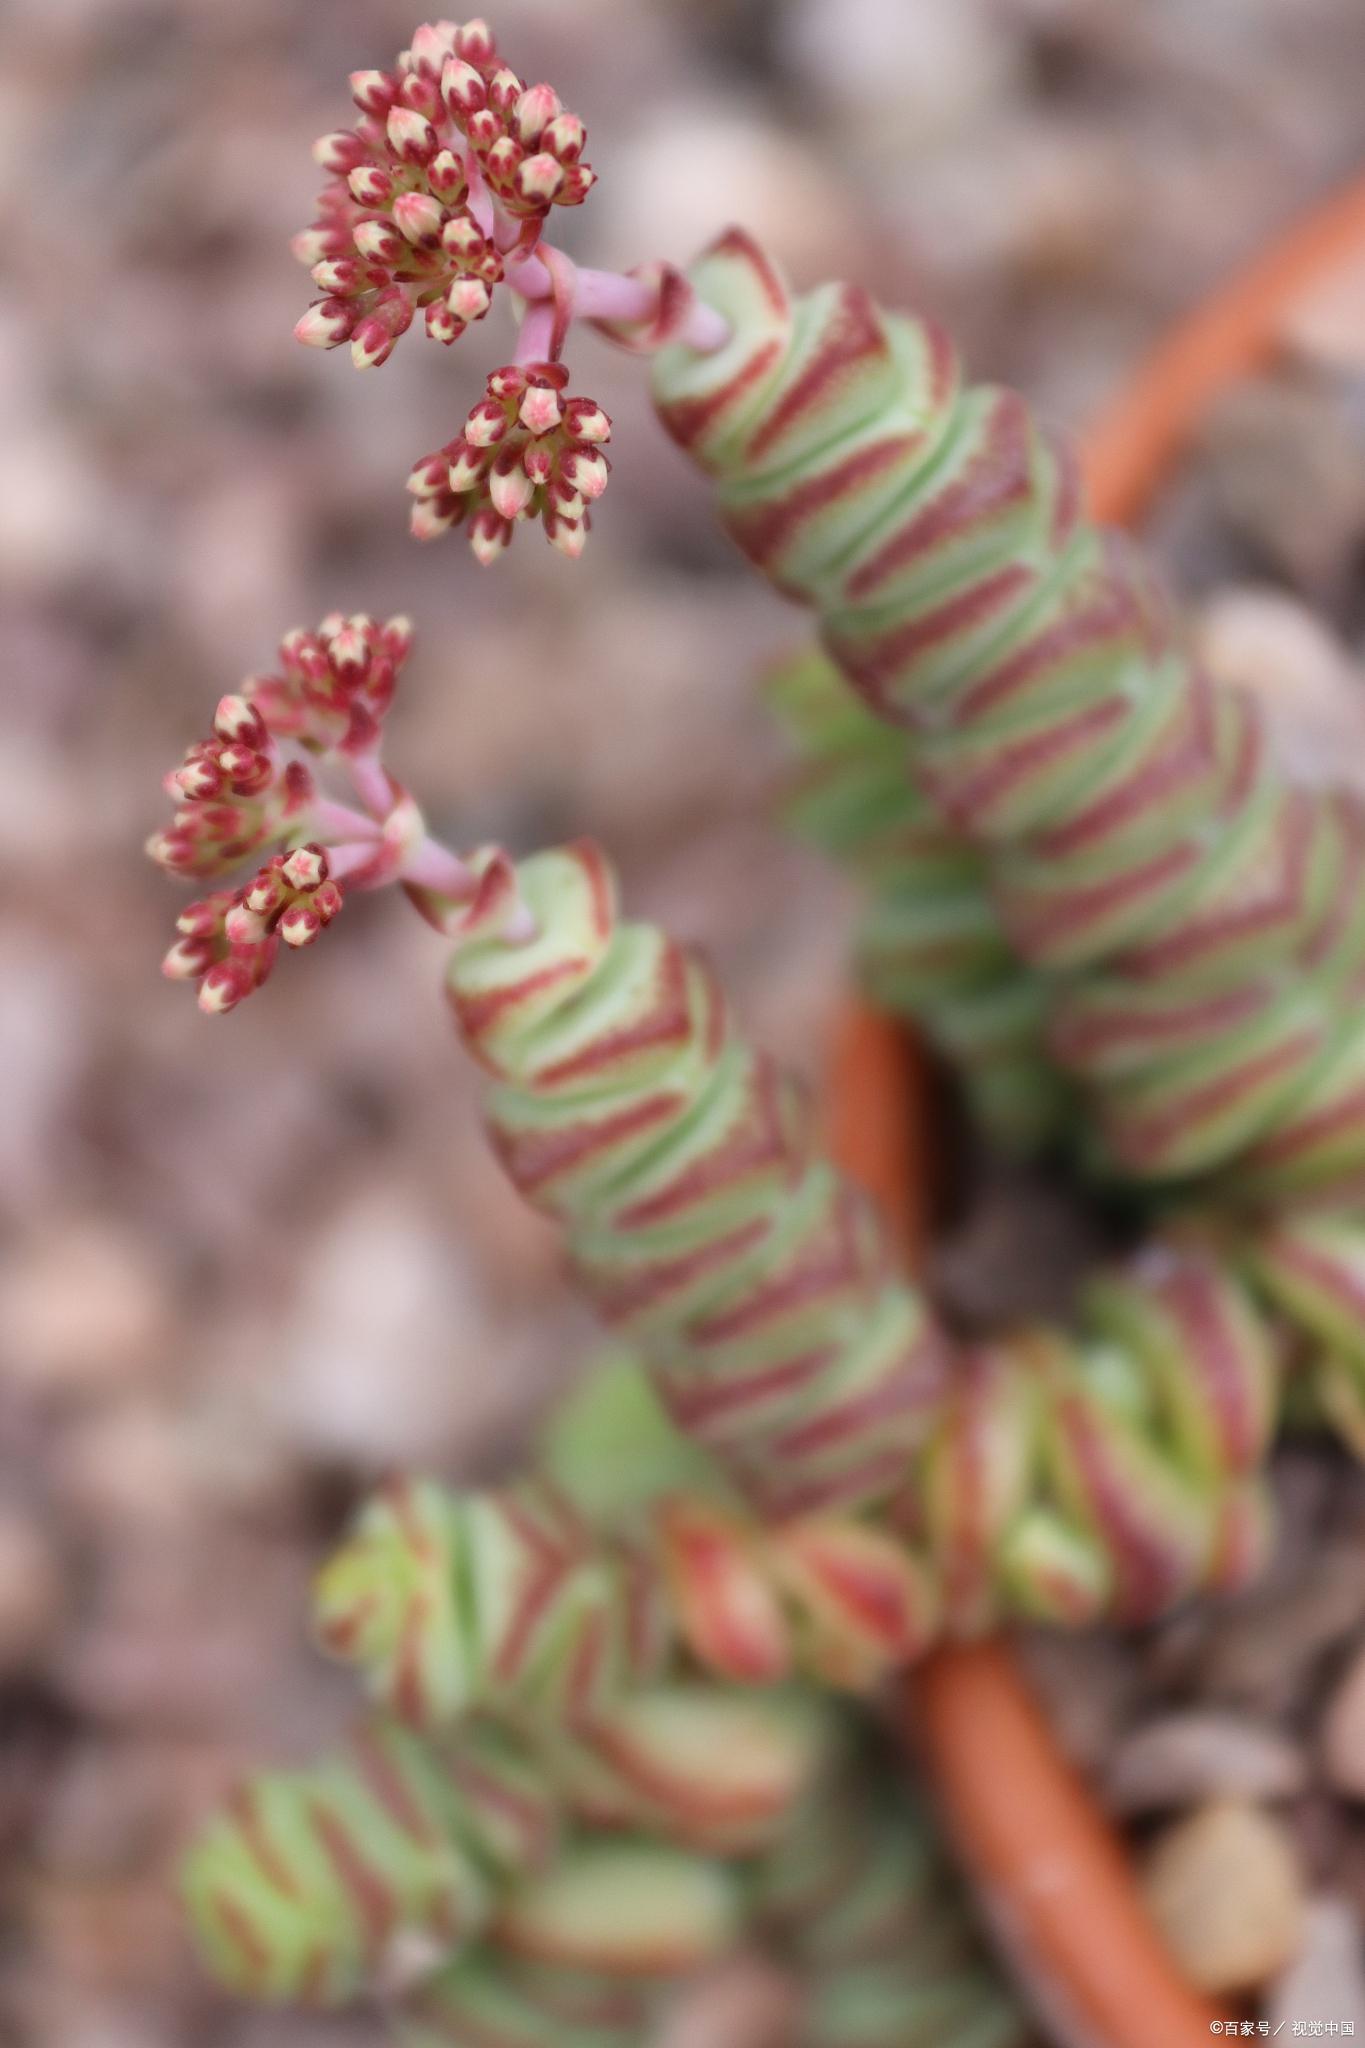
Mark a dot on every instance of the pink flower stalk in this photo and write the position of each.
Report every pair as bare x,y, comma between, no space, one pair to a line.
526,452
451,169
250,788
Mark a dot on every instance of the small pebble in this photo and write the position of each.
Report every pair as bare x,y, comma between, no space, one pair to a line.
1225,1889
1182,1759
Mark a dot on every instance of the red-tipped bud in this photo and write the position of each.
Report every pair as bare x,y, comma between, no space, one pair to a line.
374,92
370,185
533,113
379,242
463,89
469,299
541,409
586,472
586,421
539,180
305,867
441,323
429,477
568,536
565,138
418,216
432,45
490,535
504,90
375,336
446,177
411,136
486,425
431,517
462,238
339,152
509,487
466,466
236,719
327,324
474,42
579,180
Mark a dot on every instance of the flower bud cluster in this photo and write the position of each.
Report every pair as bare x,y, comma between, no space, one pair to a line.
228,941
335,684
246,791
526,452
453,162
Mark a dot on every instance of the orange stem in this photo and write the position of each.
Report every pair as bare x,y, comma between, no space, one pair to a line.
1052,1872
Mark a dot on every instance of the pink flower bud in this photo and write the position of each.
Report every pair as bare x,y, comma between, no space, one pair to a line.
462,89
539,463
539,179
569,536
379,241
373,340
418,216
245,927
474,42
446,177
315,244
223,987
585,420
486,424
502,161
586,472
579,180
299,925
441,323
509,487
339,152
504,90
429,477
462,237
490,535
469,299
236,719
466,466
326,324
533,113
370,185
187,960
199,778
305,867
508,382
411,136
565,138
431,517
541,409
483,130
432,45
343,277
374,92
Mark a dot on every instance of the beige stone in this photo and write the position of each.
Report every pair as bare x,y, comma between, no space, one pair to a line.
1178,1759
1226,1891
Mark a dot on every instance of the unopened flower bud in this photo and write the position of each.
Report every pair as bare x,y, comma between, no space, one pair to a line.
533,112
339,152
539,179
490,535
411,136
463,89
474,42
374,92
441,323
418,216
541,410
446,177
509,487
586,420
565,138
327,324
380,242
305,867
469,299
568,536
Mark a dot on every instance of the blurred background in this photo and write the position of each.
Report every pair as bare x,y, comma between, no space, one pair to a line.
248,1266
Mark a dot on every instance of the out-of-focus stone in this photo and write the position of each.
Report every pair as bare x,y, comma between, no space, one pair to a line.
32,1590
1225,1889
903,77
1343,1731
1188,1758
1311,691
1326,1978
84,1310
